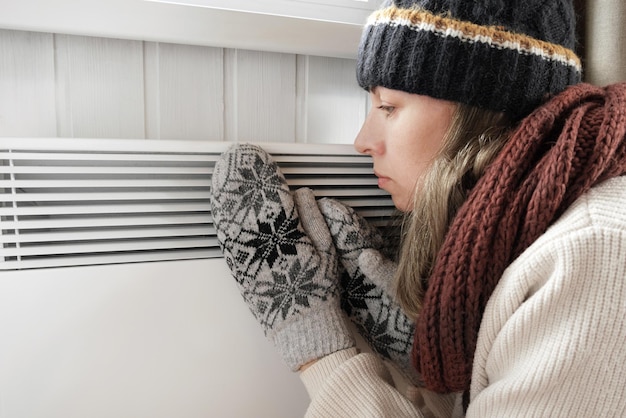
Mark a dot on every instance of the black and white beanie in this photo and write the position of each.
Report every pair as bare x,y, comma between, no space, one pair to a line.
503,55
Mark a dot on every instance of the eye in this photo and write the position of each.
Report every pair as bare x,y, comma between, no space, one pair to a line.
387,109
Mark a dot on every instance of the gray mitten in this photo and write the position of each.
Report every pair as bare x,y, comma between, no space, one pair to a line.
289,281
366,288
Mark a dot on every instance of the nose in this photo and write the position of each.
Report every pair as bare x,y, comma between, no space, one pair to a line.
368,140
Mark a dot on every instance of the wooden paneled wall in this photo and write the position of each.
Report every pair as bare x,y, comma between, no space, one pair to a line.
55,85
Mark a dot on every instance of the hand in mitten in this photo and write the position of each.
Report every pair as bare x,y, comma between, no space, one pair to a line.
366,294
289,281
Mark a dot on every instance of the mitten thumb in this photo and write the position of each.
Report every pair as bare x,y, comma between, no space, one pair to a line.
312,221
379,269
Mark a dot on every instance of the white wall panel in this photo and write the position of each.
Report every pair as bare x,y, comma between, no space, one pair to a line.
76,86
184,92
152,106
334,105
100,87
27,84
230,90
263,96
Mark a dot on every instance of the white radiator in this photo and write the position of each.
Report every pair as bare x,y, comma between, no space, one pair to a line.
114,300
89,202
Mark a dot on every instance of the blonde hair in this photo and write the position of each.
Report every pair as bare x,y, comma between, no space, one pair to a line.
473,140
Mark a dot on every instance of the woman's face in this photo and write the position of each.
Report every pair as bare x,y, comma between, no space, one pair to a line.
403,132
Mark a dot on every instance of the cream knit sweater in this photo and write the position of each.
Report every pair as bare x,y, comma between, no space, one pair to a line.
552,341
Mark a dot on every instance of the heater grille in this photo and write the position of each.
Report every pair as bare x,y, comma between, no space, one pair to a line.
71,202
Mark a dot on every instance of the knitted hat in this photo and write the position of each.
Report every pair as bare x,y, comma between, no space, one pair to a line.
495,54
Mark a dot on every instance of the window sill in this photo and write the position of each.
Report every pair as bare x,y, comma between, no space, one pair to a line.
190,24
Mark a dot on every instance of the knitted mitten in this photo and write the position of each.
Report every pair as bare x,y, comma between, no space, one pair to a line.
366,288
290,284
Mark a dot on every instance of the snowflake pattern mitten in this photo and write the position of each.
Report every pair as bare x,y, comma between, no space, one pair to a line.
290,283
365,295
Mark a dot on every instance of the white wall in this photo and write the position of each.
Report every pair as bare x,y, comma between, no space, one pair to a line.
54,85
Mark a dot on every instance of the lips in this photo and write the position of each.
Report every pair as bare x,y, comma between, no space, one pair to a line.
382,180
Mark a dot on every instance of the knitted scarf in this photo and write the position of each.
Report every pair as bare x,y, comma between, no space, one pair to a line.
565,147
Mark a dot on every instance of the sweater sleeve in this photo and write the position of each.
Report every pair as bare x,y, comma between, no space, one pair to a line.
551,340
352,384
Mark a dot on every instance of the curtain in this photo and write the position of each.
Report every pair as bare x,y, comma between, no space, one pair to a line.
603,28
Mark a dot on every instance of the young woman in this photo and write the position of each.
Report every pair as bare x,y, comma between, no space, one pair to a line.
508,297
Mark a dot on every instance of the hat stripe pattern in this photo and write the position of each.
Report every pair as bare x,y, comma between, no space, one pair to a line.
494,36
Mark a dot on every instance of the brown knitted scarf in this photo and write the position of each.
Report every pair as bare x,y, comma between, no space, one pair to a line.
565,147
